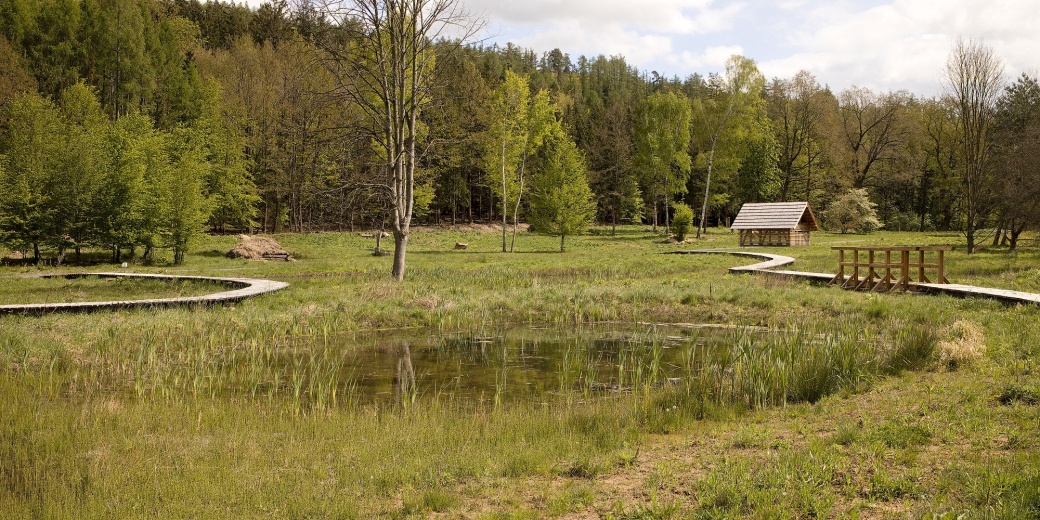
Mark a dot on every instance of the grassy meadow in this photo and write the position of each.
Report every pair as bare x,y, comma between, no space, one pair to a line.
861,405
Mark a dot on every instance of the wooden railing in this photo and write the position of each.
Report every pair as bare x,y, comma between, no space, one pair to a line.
878,271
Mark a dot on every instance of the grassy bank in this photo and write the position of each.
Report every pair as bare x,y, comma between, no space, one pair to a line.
868,405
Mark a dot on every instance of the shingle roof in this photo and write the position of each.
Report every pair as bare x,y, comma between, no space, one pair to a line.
774,215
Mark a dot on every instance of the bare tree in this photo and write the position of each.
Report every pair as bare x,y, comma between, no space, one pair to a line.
974,79
872,130
382,55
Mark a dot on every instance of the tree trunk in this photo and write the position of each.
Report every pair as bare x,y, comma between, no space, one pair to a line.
655,207
613,220
707,188
505,207
969,233
400,246
36,253
562,249
667,203
1015,232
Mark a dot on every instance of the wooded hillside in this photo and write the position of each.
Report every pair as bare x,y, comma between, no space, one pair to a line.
137,124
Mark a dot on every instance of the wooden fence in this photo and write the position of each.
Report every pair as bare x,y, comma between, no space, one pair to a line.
878,271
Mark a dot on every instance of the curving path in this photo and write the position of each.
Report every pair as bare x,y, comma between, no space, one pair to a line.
771,261
241,288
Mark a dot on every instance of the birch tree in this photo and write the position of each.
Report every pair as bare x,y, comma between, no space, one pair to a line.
382,53
729,94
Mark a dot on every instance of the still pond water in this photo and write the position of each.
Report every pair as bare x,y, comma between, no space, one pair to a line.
527,363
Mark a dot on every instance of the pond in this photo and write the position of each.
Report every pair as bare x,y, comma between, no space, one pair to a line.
524,363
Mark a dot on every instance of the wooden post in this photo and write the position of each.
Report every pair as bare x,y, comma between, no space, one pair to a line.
840,277
921,278
904,279
942,269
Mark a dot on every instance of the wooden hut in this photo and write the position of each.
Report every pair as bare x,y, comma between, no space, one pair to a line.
775,224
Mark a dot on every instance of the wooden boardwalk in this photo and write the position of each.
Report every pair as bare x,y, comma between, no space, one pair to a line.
769,263
241,288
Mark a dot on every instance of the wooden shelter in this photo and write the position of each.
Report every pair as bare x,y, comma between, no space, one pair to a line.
775,224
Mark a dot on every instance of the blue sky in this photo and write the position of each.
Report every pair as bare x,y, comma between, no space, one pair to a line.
879,44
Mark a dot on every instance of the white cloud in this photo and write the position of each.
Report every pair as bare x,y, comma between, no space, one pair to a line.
609,40
656,16
904,44
710,59
881,44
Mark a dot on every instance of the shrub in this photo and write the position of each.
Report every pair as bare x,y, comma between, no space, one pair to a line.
853,211
682,221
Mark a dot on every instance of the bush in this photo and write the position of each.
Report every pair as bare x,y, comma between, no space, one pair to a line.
682,221
853,211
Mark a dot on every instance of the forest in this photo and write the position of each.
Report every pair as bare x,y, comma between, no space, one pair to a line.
132,126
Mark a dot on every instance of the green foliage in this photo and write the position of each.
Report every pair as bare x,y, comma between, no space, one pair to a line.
519,126
662,136
561,202
682,220
228,183
732,128
73,179
34,150
853,211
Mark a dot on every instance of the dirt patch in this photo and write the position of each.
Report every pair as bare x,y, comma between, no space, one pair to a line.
258,248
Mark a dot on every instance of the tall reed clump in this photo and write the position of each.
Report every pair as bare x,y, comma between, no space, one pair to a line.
756,370
295,366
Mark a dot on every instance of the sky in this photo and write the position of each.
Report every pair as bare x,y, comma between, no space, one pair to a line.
878,44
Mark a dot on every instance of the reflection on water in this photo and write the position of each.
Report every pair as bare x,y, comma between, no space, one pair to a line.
522,363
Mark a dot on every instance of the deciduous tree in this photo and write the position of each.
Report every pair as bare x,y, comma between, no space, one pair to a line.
382,53
561,202
662,137
974,79
729,95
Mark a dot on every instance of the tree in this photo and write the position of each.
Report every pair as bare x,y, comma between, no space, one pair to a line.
119,216
934,140
73,185
662,137
180,188
682,221
1017,155
384,64
729,95
229,183
853,211
797,108
14,79
460,120
561,202
519,125
974,78
871,131
34,152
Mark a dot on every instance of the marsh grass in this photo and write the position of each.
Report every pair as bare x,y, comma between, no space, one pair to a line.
248,410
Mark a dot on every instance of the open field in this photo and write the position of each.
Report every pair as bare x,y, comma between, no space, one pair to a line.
914,405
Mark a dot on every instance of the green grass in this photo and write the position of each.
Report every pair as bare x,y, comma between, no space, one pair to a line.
22,290
196,413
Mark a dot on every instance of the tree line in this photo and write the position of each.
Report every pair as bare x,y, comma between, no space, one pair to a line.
136,124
